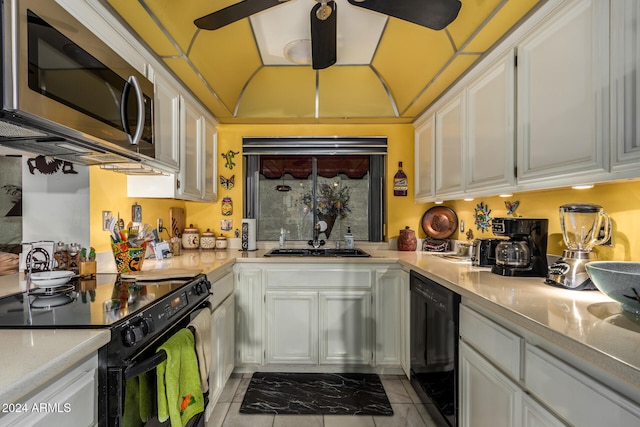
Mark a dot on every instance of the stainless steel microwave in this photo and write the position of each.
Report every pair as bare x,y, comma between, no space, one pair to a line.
66,94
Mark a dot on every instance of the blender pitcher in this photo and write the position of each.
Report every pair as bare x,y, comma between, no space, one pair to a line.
581,224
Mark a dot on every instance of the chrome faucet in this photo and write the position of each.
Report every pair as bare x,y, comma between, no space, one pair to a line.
316,242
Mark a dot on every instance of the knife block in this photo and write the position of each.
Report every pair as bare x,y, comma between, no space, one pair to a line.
87,268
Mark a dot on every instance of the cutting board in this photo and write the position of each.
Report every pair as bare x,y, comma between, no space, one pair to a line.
176,219
164,274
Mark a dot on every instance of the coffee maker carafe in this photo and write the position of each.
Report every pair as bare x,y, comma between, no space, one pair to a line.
525,252
583,227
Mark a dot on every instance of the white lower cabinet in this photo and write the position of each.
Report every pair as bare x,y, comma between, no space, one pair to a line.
487,396
504,380
71,400
291,327
345,327
319,314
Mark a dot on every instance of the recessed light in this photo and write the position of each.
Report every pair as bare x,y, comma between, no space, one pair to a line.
468,199
505,195
582,186
298,51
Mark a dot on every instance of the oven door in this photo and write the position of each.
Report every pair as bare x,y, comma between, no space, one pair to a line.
132,387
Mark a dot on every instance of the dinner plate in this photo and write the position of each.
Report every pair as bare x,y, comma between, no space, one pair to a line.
51,279
439,222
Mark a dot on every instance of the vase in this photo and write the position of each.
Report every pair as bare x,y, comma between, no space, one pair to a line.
330,220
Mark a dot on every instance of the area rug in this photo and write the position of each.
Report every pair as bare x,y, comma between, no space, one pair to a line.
315,394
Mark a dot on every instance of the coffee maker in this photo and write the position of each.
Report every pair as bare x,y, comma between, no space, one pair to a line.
583,226
524,253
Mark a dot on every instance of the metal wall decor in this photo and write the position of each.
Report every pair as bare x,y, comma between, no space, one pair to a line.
228,157
227,183
511,207
482,216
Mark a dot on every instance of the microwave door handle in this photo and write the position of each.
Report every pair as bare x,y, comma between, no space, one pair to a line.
146,365
132,81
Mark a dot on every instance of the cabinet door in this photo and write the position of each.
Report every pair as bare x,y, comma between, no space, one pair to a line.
389,317
487,397
450,138
292,327
166,121
191,152
424,160
535,415
490,128
563,98
345,331
625,84
226,359
210,161
248,322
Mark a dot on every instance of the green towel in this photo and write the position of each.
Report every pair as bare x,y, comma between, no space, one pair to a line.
179,393
138,404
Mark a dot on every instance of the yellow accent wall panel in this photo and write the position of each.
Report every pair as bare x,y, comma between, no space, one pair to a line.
280,91
472,14
352,91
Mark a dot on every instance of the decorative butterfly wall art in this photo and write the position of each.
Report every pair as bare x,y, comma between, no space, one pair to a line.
227,183
511,207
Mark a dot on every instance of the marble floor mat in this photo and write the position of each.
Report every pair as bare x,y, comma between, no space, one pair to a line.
315,393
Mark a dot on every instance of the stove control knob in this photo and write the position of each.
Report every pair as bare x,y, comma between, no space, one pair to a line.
147,326
132,335
202,287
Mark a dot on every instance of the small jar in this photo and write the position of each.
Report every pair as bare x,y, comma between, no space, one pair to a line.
221,243
208,240
407,240
190,238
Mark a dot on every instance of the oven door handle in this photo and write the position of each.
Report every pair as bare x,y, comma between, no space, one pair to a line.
146,365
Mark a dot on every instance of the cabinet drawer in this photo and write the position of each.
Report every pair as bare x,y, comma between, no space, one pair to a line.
68,401
314,277
579,399
499,345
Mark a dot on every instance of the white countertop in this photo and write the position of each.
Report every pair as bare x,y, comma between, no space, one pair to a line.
587,324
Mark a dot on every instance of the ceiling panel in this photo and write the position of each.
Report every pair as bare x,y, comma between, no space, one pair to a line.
352,91
280,92
227,59
227,68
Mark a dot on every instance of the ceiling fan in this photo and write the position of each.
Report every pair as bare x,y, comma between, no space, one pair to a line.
434,14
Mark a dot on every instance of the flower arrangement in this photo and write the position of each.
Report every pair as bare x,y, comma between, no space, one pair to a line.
333,201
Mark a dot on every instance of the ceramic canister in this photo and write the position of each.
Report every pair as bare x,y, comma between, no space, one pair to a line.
221,243
190,238
407,240
208,240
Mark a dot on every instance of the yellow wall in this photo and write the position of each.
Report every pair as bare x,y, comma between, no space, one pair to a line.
108,192
401,210
620,200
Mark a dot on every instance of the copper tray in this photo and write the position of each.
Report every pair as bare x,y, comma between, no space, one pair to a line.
439,222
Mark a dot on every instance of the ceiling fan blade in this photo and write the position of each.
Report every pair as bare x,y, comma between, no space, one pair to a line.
434,14
323,37
233,13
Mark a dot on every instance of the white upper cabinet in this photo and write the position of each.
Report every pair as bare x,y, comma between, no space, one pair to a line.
490,128
625,86
190,178
563,98
166,121
424,159
210,160
450,147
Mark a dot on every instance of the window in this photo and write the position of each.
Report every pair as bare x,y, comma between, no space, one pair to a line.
295,183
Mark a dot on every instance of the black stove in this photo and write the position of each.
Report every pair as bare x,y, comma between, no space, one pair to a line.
140,316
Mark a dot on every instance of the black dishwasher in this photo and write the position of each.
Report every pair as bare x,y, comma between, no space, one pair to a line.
434,347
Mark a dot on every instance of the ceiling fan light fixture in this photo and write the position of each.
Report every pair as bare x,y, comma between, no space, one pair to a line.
298,51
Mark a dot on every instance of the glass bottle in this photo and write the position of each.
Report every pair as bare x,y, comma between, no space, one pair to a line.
400,184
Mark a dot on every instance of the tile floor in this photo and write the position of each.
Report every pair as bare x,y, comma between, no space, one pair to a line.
407,411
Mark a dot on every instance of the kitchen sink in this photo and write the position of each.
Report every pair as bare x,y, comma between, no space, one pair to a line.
311,252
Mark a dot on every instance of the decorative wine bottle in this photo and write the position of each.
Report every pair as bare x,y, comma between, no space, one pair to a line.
400,184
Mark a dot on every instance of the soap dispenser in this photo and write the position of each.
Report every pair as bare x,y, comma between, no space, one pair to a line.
348,239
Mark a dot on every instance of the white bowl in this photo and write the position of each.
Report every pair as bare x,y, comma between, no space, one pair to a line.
619,280
51,279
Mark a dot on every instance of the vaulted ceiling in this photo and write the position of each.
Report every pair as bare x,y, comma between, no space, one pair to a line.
388,70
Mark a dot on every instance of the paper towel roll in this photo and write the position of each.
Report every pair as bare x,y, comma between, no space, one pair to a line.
248,234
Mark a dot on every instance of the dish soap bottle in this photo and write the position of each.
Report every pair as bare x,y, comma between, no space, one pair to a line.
400,184
348,239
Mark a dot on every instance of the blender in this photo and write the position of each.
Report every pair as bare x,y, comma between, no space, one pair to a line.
583,227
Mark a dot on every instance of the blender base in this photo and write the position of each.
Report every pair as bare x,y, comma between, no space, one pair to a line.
569,272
